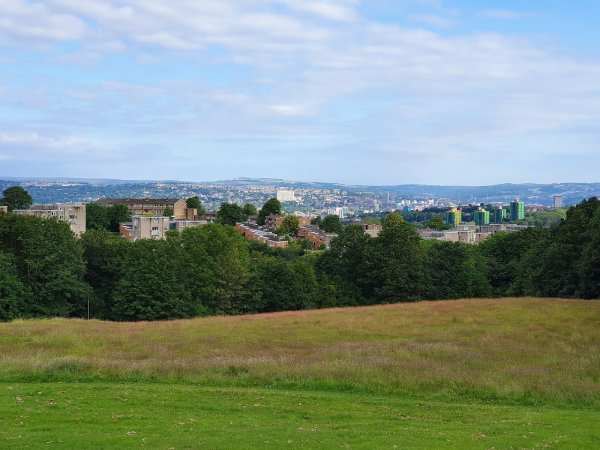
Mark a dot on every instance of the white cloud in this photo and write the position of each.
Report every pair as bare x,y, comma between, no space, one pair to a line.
504,14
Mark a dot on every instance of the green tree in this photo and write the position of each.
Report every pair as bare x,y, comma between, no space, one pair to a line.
230,214
167,212
117,214
153,285
250,210
272,206
195,203
316,221
331,224
392,262
290,225
436,223
16,197
104,254
49,263
96,217
14,296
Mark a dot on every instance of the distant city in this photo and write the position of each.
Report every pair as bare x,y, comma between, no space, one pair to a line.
305,198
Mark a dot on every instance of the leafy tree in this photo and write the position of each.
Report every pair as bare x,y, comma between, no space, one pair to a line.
195,203
117,214
16,197
153,285
290,225
167,212
230,214
331,224
49,263
14,296
273,206
96,217
250,210
316,221
436,223
104,254
393,262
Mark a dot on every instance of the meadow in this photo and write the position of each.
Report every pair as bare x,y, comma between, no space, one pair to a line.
520,373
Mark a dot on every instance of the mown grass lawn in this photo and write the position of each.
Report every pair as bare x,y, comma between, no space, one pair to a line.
503,373
114,415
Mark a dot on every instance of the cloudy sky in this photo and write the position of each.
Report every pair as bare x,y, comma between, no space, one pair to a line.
352,91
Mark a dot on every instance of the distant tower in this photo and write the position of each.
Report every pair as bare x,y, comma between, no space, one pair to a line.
482,217
454,217
517,210
558,201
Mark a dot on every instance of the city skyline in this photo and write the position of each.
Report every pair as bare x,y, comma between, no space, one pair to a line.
380,92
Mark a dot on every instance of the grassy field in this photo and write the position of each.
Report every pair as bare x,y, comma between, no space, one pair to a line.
520,373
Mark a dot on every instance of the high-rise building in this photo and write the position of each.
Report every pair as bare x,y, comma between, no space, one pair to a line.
481,217
558,201
498,215
517,210
453,217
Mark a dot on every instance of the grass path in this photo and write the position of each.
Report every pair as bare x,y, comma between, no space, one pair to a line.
138,415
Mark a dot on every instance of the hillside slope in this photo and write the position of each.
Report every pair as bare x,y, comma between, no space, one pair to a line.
526,350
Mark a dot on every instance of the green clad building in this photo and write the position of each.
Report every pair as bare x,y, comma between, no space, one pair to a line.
453,217
481,217
498,215
517,210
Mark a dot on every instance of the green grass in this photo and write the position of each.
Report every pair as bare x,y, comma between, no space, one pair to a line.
520,373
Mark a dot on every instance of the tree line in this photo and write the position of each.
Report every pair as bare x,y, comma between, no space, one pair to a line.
45,271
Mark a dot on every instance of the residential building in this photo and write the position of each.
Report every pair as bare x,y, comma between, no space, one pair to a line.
453,217
145,227
481,217
3,209
149,206
74,214
318,237
256,233
558,201
517,210
180,225
498,215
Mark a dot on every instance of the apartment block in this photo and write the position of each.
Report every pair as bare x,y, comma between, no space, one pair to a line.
145,227
149,206
318,237
255,233
3,209
74,215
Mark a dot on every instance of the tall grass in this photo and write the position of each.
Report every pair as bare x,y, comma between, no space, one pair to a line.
526,350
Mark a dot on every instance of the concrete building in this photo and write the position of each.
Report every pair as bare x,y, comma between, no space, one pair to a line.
558,201
284,195
180,225
149,206
255,233
498,215
517,210
145,227
74,214
3,209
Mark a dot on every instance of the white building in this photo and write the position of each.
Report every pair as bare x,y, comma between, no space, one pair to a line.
284,195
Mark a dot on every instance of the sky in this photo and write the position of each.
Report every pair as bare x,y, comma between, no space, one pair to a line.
456,92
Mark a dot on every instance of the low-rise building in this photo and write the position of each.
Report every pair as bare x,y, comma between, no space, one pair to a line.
74,214
318,237
145,227
180,225
3,209
255,233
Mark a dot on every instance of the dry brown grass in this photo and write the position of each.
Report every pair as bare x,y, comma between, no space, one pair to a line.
544,349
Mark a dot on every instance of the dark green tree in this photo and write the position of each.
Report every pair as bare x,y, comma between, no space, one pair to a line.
97,217
290,226
195,203
117,214
49,263
16,197
250,210
331,224
104,254
230,214
436,223
14,296
167,212
153,285
273,206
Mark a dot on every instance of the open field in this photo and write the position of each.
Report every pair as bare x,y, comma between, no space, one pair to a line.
448,374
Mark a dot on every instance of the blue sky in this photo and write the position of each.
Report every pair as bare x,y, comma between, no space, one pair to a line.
351,91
